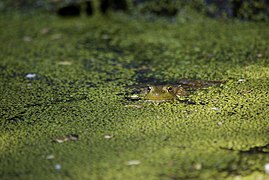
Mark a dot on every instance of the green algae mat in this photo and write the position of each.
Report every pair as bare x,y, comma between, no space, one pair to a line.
65,110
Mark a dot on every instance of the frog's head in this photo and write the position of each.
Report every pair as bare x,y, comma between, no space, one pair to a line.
161,93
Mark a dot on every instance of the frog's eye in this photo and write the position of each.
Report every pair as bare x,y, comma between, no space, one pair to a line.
149,88
169,89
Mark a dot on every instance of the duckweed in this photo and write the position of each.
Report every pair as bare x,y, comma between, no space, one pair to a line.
174,140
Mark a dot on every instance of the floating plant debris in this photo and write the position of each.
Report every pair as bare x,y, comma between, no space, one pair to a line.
70,137
133,162
30,76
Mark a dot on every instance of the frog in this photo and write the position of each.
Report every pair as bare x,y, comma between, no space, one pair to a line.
163,93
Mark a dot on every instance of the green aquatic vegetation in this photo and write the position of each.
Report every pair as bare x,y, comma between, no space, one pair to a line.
81,69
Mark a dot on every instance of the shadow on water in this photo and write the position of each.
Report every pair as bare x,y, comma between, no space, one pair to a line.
241,165
251,151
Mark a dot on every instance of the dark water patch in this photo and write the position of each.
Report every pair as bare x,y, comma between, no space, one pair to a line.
159,8
253,150
70,10
17,118
258,149
187,101
90,84
248,161
2,68
115,5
